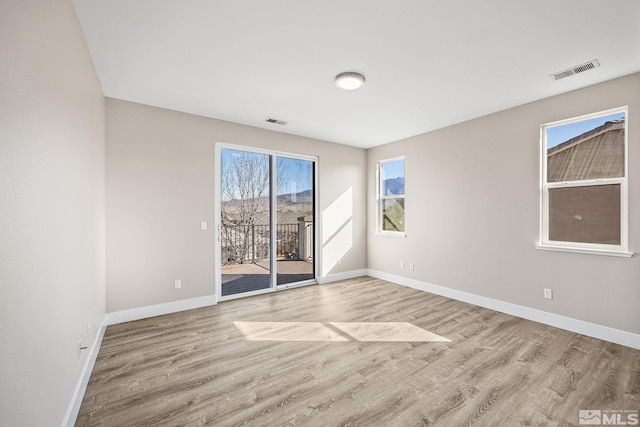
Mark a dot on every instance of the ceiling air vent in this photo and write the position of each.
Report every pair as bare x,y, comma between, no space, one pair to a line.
275,121
575,70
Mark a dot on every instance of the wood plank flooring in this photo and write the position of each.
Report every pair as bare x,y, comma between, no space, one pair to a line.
199,368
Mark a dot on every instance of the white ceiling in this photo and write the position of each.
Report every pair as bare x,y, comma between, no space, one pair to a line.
428,63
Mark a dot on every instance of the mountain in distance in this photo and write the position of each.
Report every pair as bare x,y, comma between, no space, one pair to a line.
394,185
289,206
303,197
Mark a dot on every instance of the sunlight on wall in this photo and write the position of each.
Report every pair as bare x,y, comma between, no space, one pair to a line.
337,331
337,231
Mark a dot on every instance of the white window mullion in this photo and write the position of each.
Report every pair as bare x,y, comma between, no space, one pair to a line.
273,209
563,140
396,168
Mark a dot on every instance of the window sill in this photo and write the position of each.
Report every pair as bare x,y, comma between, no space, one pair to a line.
605,252
390,234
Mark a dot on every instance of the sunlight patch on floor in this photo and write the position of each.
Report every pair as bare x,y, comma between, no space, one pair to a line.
337,331
288,331
387,331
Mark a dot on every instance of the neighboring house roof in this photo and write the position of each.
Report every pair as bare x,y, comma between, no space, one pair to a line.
596,154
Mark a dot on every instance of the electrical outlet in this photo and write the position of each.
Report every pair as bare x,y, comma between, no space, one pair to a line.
411,267
177,284
402,264
203,225
88,328
548,293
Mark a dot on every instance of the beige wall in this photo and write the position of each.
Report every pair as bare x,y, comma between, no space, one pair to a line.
473,213
160,186
51,209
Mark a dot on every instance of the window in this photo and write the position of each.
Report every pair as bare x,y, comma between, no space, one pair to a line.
584,184
391,196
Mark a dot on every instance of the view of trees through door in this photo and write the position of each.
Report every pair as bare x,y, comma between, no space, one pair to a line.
267,221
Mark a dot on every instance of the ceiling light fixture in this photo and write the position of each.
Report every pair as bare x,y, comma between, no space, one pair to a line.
349,80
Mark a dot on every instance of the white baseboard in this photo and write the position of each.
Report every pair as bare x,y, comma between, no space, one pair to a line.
606,333
74,407
159,309
116,317
120,317
342,276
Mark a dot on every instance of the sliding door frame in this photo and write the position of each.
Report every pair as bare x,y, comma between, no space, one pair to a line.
274,154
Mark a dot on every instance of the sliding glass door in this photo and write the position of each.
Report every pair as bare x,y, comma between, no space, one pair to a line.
266,222
294,220
245,221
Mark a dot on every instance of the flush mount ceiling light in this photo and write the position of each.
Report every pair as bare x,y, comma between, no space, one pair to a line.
349,80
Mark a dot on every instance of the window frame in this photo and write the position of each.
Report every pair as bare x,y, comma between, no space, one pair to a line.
381,197
544,242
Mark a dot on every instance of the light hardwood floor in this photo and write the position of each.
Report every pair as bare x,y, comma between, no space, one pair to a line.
325,355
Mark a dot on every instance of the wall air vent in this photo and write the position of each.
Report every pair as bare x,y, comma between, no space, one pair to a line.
575,70
275,121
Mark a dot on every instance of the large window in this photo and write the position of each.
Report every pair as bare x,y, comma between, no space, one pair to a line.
391,196
584,184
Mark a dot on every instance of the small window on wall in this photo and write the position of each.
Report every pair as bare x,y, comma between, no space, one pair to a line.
391,196
584,184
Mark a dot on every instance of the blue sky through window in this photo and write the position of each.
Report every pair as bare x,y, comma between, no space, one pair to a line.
297,173
559,134
394,169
